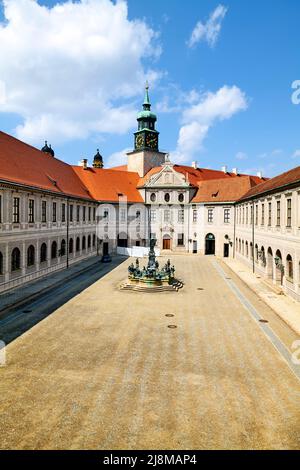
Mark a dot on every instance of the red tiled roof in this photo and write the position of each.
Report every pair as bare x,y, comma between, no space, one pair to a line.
223,190
196,175
108,184
284,179
21,163
24,164
119,168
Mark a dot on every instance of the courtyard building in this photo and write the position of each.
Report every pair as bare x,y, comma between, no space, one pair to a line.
53,214
267,236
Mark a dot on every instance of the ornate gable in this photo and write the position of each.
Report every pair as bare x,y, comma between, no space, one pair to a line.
168,178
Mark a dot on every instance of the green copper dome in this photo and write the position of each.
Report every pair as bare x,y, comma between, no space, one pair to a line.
146,114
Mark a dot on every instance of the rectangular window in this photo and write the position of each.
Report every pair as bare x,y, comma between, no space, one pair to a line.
105,215
122,216
251,215
83,213
78,213
138,215
71,212
195,215
54,212
289,213
31,211
270,215
63,212
180,239
247,214
16,210
226,216
262,214
90,213
210,215
167,215
278,216
44,212
152,215
180,216
94,213
256,214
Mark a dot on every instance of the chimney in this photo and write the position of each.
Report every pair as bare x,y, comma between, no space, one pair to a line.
235,171
224,169
83,163
259,174
194,165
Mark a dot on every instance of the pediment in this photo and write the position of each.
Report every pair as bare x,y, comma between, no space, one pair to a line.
167,177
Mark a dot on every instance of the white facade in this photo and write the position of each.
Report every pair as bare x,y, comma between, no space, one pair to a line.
268,237
38,237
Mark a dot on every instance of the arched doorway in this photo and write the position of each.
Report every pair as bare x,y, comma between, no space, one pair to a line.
270,263
279,268
210,244
167,242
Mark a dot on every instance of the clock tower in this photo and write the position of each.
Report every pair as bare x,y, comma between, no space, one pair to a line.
146,154
146,137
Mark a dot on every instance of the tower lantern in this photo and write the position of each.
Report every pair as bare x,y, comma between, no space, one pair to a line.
146,136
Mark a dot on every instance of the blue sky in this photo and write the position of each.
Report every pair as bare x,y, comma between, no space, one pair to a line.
221,99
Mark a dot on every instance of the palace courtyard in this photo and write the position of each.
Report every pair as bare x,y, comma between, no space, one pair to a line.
106,371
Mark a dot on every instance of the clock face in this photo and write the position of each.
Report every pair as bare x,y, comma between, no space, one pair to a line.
152,141
139,141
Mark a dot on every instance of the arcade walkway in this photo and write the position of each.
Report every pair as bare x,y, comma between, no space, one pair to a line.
105,371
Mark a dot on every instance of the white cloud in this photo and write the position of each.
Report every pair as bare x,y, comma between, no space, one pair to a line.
241,156
200,117
117,158
210,30
74,69
2,93
296,154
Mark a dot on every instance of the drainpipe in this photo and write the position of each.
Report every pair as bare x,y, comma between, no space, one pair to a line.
253,216
67,233
234,229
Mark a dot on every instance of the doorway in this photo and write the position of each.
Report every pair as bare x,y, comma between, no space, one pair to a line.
226,250
210,244
166,243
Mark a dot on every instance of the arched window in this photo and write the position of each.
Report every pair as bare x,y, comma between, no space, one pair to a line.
89,241
94,240
256,252
43,256
15,259
83,242
54,250
1,263
251,250
289,265
71,245
77,244
30,255
63,248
